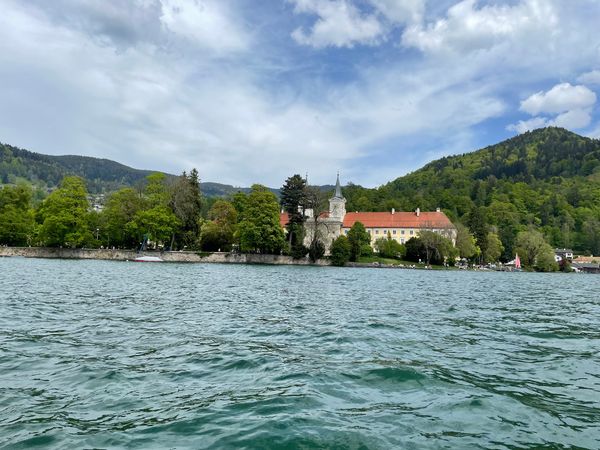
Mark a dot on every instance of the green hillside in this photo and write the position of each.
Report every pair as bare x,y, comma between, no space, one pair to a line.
547,178
102,175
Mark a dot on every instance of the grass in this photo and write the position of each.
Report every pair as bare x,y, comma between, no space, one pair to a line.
396,262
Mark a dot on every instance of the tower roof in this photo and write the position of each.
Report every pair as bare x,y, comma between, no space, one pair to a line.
338,188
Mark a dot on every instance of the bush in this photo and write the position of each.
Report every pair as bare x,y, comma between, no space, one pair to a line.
340,251
390,248
316,250
299,251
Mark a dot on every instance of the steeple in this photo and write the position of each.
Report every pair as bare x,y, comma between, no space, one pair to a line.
338,188
337,203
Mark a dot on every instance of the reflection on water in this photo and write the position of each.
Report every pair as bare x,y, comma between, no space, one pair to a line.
110,354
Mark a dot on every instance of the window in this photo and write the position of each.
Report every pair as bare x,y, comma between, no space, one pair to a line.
401,231
402,241
376,231
345,231
412,232
369,231
393,231
384,231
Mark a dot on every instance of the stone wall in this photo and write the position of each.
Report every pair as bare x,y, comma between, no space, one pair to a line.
180,257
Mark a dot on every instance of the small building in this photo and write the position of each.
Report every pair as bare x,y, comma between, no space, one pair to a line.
563,253
400,226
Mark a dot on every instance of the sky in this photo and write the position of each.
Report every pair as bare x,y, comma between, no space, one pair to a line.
254,91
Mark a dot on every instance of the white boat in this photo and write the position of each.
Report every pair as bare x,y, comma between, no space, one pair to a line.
148,259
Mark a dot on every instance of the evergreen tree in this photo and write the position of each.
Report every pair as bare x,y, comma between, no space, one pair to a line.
359,240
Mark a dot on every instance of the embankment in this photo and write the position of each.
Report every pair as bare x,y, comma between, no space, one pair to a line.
179,257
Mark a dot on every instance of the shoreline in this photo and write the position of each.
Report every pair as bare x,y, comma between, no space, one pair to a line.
166,256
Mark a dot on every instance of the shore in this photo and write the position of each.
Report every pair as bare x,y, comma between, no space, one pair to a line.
176,257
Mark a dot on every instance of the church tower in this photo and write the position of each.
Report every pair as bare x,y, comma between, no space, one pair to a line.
337,203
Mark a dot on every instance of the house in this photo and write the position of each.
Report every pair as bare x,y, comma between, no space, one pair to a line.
563,253
400,226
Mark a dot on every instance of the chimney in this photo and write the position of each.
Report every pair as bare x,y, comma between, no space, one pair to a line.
418,211
393,210
438,210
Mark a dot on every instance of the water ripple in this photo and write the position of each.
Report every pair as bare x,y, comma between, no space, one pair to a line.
121,355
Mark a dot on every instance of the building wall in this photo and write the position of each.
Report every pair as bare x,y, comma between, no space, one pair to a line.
402,235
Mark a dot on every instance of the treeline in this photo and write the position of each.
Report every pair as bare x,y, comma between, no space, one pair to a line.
546,181
162,213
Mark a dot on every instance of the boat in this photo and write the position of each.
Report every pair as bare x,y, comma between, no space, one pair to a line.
148,259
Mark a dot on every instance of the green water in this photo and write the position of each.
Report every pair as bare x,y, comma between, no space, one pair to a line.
100,354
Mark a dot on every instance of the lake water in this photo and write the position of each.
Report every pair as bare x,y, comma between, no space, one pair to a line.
115,354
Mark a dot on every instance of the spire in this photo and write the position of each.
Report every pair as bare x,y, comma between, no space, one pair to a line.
338,188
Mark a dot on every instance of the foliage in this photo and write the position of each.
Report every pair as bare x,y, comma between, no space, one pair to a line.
389,248
218,233
186,203
259,231
547,178
493,249
121,208
316,250
17,224
64,216
431,248
157,224
293,202
340,251
359,240
465,242
535,252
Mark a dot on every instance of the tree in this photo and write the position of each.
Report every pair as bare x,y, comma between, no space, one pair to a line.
121,208
534,251
359,240
437,247
316,250
156,224
64,215
389,248
316,203
17,223
186,203
465,242
494,248
415,250
478,225
218,233
340,251
293,202
156,190
260,231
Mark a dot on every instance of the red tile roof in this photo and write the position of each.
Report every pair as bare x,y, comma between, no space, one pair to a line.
398,220
389,220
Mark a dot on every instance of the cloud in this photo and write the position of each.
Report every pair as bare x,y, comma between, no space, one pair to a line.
527,125
562,97
467,27
400,11
340,24
207,23
590,78
572,104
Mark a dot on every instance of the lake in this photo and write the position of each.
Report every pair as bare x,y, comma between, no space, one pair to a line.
124,355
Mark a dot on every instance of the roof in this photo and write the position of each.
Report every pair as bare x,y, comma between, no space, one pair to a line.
398,220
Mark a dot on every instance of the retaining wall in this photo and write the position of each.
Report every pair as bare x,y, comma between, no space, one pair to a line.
125,255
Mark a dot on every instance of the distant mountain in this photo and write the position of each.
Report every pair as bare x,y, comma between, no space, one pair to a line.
548,178
102,175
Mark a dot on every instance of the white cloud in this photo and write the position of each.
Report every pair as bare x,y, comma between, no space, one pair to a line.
527,125
340,24
572,106
561,98
207,23
592,77
400,11
468,27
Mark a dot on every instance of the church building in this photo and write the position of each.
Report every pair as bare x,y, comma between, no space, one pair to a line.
400,226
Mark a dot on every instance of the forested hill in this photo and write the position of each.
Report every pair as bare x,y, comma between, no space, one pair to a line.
101,175
547,178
